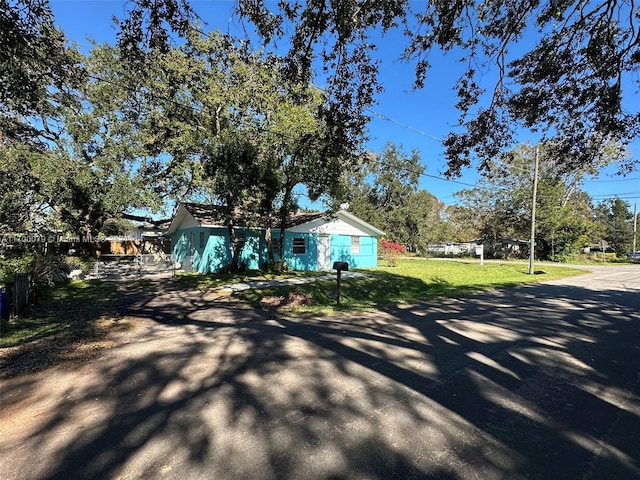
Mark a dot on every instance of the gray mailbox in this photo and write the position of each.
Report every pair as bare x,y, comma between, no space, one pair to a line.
340,267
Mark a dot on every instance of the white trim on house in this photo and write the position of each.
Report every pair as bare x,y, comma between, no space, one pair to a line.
179,218
183,219
343,223
367,227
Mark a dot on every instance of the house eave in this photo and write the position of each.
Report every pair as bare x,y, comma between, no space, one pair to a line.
361,223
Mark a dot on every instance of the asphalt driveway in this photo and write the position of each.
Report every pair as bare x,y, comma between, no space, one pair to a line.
536,382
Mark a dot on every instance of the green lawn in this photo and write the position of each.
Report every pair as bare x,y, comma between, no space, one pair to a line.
66,312
411,281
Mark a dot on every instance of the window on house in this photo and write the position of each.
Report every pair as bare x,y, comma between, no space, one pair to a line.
275,245
299,246
202,240
355,245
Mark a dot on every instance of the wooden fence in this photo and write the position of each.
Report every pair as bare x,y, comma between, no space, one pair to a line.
18,295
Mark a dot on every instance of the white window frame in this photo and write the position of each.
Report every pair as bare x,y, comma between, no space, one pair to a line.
296,245
355,245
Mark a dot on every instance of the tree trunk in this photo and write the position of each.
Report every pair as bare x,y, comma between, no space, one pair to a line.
233,245
284,214
269,242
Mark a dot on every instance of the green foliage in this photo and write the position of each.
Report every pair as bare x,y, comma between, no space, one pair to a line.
80,166
116,227
13,265
384,192
243,135
412,280
502,207
617,219
570,85
36,68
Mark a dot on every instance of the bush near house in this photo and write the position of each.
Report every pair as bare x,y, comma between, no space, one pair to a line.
390,251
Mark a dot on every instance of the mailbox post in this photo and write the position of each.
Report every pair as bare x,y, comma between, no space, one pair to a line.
340,267
480,253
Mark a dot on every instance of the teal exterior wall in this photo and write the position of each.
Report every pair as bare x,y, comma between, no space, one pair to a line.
301,261
180,246
209,257
341,251
263,251
215,253
252,253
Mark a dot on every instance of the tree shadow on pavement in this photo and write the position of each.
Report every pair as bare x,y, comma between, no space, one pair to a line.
532,382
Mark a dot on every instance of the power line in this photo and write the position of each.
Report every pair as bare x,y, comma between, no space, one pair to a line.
617,194
408,127
449,180
635,179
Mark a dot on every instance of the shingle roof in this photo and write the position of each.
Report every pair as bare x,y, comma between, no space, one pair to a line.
300,218
213,215
205,214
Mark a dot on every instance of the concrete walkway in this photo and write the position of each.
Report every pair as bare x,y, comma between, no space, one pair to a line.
239,287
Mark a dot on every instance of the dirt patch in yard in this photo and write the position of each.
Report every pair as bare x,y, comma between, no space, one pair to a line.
87,323
292,299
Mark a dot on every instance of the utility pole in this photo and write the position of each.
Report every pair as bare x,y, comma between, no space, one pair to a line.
532,239
635,225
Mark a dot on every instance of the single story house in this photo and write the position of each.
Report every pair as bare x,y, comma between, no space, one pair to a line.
312,241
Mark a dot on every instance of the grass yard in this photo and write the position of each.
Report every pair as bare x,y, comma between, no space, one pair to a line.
59,308
71,322
412,280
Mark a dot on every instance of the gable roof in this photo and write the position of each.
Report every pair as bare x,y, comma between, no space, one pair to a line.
301,218
203,215
351,218
341,222
210,215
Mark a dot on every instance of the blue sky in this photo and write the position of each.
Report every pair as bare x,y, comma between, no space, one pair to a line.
413,119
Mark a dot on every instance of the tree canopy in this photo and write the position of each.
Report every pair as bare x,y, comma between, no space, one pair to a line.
385,192
145,121
566,69
565,220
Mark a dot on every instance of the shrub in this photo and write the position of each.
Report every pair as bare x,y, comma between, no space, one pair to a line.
242,267
275,267
390,251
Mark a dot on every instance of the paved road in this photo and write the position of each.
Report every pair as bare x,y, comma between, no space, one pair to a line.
536,382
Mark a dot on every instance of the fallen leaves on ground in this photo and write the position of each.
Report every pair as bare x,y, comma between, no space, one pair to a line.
292,299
